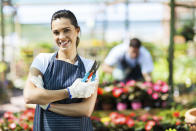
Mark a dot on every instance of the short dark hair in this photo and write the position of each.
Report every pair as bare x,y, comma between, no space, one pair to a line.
69,15
135,43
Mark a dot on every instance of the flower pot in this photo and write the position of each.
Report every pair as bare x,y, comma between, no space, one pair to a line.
107,106
190,119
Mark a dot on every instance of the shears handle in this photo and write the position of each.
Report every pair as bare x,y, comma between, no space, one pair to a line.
93,77
85,77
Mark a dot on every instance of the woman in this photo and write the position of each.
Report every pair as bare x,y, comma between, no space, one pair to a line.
71,101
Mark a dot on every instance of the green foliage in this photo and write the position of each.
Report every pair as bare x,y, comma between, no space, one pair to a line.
157,51
187,30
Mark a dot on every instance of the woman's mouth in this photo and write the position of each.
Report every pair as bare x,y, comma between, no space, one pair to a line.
65,43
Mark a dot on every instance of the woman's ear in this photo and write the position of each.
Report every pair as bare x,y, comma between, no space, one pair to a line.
78,30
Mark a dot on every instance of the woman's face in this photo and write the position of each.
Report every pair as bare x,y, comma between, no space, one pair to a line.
64,33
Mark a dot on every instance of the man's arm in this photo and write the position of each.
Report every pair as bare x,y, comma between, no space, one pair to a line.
34,95
84,108
107,68
147,77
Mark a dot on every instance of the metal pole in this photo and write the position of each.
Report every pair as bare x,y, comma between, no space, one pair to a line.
171,46
127,16
2,32
105,24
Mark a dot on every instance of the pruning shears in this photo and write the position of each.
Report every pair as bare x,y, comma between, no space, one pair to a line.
91,73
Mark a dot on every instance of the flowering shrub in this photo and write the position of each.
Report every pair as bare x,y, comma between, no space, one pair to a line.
134,95
18,121
166,120
170,120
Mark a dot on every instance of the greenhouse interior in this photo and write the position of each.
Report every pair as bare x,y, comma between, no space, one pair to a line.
157,36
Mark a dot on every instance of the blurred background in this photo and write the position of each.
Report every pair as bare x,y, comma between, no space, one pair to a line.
166,28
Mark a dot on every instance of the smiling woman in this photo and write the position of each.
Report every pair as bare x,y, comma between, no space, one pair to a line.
54,83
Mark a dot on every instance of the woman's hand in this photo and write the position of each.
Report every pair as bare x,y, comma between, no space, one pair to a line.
81,89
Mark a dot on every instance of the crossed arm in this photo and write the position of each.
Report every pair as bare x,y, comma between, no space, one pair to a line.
34,95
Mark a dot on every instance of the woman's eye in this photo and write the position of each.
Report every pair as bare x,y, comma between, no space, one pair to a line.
66,30
56,33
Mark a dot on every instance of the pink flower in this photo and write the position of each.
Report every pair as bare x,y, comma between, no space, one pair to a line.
136,105
8,115
144,117
159,82
155,118
155,96
149,91
121,106
157,87
164,88
147,84
130,122
122,84
1,121
131,83
12,126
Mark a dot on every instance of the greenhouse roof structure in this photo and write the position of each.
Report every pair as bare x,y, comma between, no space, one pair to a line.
95,1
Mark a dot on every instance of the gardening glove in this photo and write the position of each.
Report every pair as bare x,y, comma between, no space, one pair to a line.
38,82
45,107
118,74
81,89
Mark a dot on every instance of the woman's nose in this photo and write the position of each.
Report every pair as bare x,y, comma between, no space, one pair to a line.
62,36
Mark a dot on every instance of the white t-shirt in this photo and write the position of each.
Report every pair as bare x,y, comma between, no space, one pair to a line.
42,60
117,53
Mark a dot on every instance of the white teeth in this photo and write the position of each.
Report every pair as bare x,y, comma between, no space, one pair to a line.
65,43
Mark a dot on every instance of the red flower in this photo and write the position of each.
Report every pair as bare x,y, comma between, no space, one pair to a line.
130,122
132,114
121,119
113,115
151,122
95,118
100,91
149,125
178,123
176,114
25,126
116,92
125,89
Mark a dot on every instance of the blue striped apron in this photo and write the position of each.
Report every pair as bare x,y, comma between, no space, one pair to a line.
60,75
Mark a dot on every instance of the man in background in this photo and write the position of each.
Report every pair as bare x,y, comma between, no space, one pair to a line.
129,62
